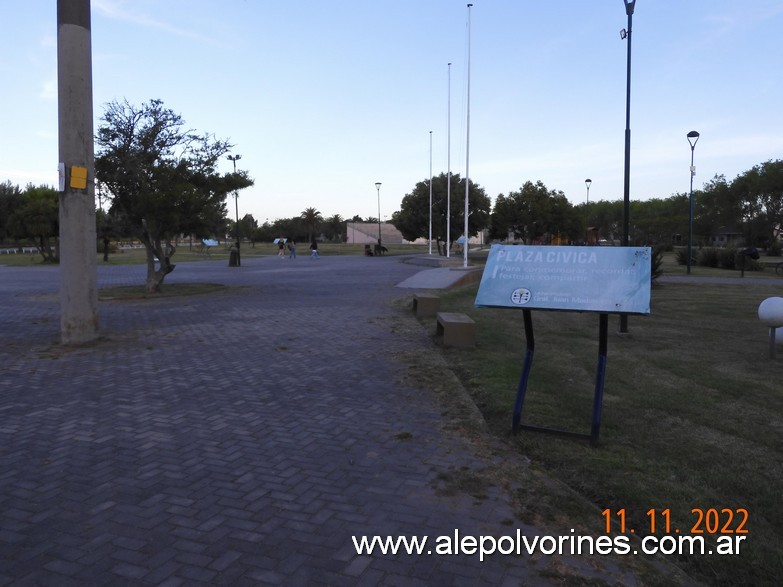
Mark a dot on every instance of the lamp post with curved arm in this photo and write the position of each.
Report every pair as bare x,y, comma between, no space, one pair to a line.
378,187
626,34
693,138
234,159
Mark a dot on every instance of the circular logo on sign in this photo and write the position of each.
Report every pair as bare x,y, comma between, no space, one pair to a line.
520,296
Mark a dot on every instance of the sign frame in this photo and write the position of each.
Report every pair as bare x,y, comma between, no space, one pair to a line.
625,274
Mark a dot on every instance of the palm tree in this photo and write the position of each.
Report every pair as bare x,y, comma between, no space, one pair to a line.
311,218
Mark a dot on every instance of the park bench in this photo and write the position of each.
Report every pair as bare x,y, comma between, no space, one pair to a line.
206,244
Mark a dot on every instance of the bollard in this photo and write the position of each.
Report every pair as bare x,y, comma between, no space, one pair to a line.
771,314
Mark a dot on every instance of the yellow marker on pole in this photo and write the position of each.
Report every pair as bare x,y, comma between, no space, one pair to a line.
78,177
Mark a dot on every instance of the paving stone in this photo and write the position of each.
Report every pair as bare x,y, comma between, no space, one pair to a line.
238,438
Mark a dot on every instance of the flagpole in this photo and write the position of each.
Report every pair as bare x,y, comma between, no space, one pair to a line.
467,157
448,174
429,238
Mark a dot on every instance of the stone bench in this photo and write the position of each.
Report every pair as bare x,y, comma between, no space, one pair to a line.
457,330
425,305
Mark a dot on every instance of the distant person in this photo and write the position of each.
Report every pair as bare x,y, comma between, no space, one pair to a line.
314,250
292,249
281,248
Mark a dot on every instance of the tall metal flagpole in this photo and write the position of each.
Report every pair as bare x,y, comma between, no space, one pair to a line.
467,158
448,174
429,239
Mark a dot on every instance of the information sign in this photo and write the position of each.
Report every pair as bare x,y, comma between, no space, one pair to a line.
612,280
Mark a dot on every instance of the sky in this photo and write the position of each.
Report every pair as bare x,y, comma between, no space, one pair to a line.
323,99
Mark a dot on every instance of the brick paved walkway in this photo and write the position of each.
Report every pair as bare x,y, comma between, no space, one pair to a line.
237,438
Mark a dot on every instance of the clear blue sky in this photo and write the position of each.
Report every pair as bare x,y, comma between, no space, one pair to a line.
323,99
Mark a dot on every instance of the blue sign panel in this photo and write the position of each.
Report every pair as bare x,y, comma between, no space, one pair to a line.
584,279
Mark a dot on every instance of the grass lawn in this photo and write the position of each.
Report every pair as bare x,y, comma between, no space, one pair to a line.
692,413
187,253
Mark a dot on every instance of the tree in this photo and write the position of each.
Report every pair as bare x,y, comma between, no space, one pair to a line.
162,180
717,208
311,219
334,228
656,221
413,218
38,219
248,226
287,228
105,230
10,201
607,216
535,214
760,190
264,233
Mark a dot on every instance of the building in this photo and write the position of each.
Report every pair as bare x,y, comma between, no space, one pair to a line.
366,233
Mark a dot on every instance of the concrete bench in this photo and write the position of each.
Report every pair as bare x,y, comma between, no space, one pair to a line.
425,305
457,330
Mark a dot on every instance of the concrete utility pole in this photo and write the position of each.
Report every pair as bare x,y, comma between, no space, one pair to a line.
78,252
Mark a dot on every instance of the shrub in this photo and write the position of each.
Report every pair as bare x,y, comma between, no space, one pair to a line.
729,258
682,256
656,269
710,257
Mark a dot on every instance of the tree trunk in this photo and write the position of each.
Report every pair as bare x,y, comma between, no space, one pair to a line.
155,251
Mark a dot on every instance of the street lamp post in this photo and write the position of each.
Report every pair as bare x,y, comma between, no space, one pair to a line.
626,34
234,159
378,188
693,138
588,182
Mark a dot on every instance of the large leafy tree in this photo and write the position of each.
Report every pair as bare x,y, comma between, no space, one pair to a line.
656,221
717,208
760,190
162,179
10,201
413,218
606,216
248,226
533,214
37,219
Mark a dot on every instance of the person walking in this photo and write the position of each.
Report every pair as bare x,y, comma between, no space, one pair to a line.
314,250
292,249
281,248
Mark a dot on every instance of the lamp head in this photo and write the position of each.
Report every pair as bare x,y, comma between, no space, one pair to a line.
629,6
377,185
588,182
693,138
